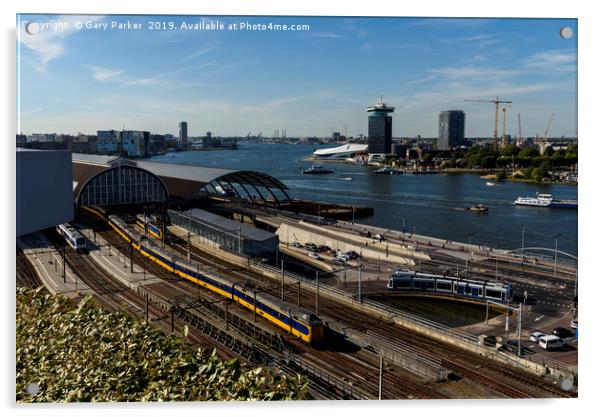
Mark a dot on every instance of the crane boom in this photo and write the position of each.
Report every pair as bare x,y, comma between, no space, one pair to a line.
545,134
497,102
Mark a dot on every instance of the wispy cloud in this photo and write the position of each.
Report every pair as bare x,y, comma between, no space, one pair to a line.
103,74
477,41
49,42
324,35
560,60
435,22
165,79
473,73
199,52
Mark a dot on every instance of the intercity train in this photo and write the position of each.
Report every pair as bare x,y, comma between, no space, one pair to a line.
72,236
149,222
297,321
406,280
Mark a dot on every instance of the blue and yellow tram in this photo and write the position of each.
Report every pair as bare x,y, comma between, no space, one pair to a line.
299,322
406,280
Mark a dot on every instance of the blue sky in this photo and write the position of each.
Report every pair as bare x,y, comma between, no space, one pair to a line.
307,82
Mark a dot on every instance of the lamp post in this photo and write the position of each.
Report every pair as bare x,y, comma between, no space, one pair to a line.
522,251
469,252
556,254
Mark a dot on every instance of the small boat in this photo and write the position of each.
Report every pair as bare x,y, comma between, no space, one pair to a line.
317,169
490,184
387,170
347,179
478,208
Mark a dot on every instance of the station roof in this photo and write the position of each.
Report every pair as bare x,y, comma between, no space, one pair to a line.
227,225
186,181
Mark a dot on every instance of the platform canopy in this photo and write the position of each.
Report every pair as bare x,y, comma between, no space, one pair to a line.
187,182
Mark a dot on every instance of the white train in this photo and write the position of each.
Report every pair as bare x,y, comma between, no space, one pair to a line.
72,236
406,280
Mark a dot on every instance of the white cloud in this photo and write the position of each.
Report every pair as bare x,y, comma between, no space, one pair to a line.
103,74
200,52
317,34
49,41
561,60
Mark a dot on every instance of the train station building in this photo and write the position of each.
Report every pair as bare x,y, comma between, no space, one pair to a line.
110,180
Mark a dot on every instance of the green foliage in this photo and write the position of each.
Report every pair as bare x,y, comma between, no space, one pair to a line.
528,153
84,353
500,176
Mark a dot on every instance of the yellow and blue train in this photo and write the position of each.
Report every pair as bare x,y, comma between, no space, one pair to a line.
148,223
297,321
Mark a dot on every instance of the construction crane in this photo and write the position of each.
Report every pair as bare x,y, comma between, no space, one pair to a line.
497,102
504,141
545,134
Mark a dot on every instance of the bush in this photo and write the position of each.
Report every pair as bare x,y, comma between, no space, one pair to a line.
84,353
501,176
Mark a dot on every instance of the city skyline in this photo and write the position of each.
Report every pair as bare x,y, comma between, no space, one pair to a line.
306,82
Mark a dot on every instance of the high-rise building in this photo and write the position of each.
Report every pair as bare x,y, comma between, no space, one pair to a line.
109,142
380,128
451,130
184,134
135,143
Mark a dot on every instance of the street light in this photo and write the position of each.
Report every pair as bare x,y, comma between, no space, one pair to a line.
469,251
556,253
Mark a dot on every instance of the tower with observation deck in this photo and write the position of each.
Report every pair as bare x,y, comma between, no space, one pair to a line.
380,128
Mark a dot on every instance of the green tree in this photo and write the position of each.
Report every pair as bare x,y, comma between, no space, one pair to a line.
501,176
528,152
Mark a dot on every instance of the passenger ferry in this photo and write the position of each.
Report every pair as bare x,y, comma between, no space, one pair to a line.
317,169
545,200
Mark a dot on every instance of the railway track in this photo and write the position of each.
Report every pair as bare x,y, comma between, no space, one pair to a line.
497,378
117,297
506,378
26,274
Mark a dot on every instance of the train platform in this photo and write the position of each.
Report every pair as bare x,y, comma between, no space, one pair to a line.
115,263
56,276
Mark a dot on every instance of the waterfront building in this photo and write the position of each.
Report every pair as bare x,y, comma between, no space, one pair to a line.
380,128
184,134
108,142
451,129
135,143
349,150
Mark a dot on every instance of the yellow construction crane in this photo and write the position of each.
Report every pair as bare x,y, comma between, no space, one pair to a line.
497,102
504,141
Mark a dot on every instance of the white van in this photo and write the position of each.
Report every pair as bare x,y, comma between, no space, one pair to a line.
550,342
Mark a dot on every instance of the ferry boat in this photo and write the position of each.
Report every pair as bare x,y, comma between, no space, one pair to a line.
545,200
317,169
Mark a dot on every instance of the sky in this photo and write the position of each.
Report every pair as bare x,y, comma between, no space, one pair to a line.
234,81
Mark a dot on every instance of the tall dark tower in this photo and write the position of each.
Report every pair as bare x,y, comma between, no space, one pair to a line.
380,128
451,130
184,134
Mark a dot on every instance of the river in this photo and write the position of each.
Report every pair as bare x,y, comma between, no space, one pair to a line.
427,204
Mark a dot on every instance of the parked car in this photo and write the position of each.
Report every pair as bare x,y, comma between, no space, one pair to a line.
574,324
296,245
562,332
323,248
338,261
379,237
535,336
512,346
353,254
343,257
314,255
